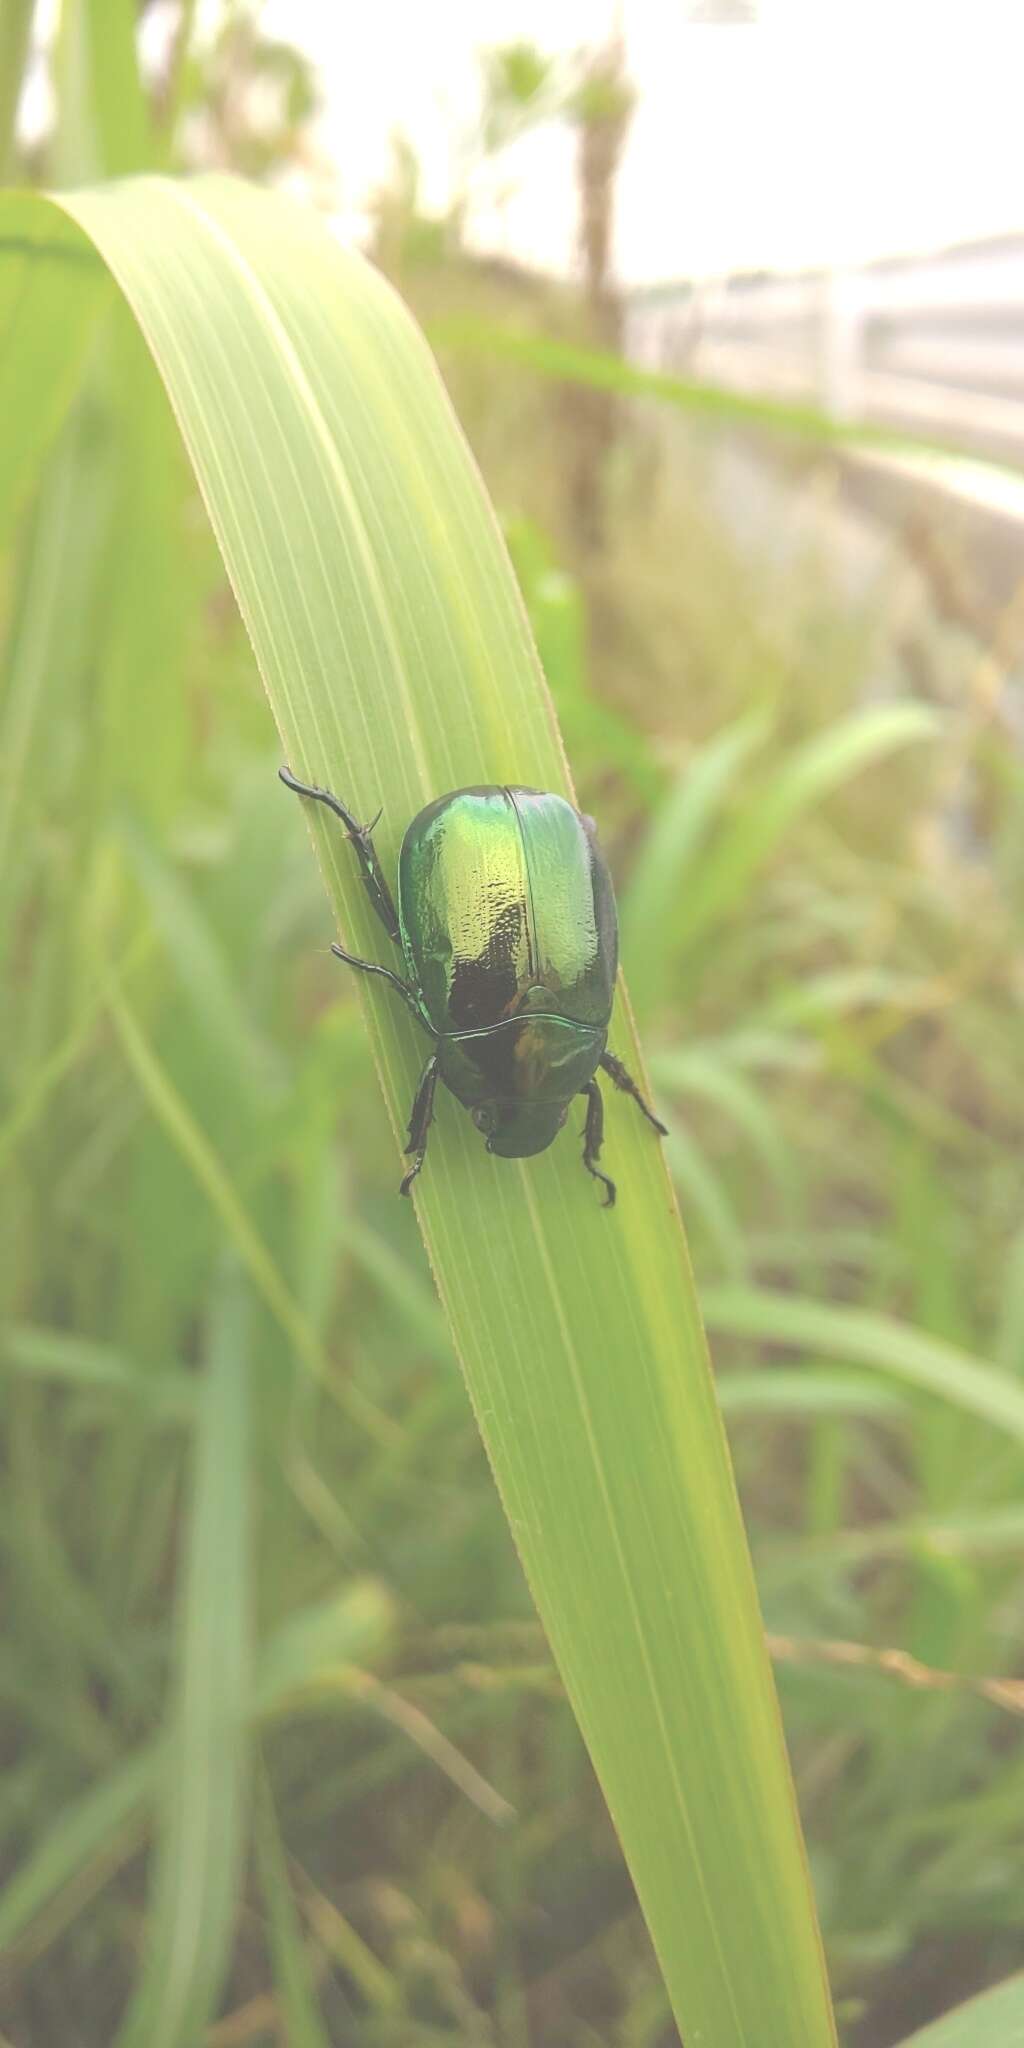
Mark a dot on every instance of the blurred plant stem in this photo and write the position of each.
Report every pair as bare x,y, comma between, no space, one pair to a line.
601,109
15,42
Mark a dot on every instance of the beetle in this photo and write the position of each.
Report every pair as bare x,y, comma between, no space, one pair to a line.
507,927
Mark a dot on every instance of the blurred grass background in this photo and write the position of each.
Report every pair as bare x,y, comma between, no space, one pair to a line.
816,822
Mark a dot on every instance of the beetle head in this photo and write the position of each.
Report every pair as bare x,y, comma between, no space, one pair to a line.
515,1130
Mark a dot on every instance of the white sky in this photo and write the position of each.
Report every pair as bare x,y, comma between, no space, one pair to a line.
834,129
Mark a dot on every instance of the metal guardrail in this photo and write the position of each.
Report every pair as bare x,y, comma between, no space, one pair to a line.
933,344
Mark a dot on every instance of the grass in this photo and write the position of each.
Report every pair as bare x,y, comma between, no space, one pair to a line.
386,625
829,997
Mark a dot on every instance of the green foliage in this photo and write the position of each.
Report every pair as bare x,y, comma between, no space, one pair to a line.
406,679
404,236
600,370
997,2016
201,1837
15,42
829,991
251,95
520,88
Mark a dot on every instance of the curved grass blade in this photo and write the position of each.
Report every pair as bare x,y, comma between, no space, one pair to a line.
380,603
821,765
996,2017
210,1176
673,840
94,1832
859,1337
571,363
47,315
293,1975
201,1839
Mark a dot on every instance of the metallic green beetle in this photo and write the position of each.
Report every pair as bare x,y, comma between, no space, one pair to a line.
506,921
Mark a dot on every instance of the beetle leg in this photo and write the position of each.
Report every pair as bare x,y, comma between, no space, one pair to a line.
408,995
623,1079
362,839
420,1120
593,1132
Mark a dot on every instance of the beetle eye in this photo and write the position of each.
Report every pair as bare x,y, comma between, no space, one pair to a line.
481,1118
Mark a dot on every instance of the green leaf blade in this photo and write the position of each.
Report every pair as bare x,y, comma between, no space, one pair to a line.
200,1845
995,2020
859,1337
375,587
